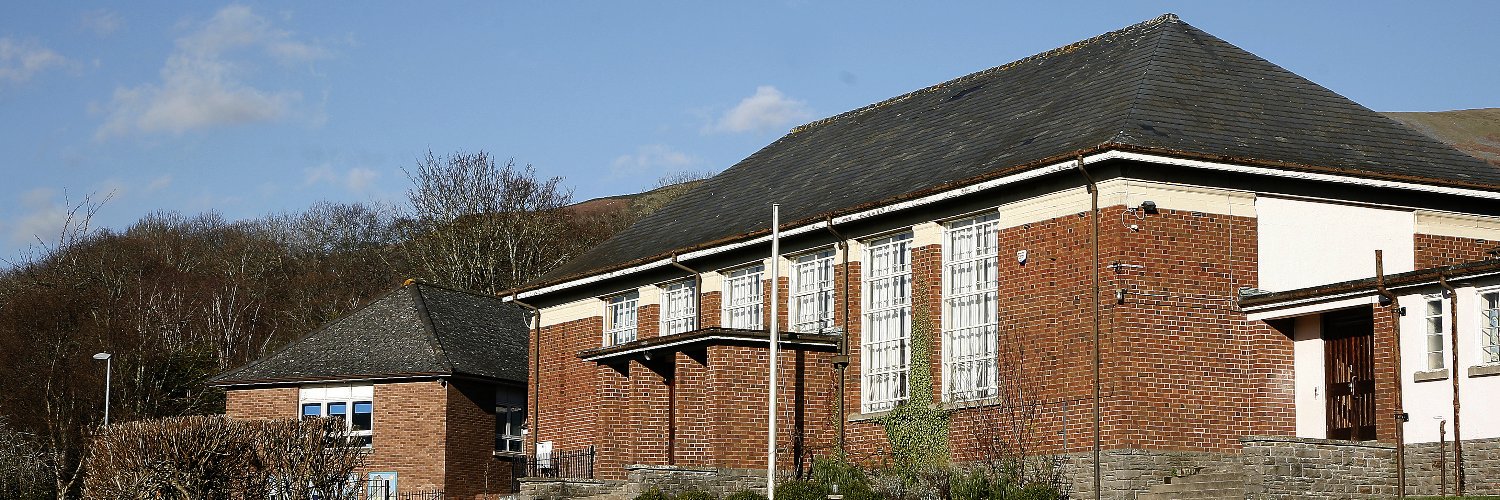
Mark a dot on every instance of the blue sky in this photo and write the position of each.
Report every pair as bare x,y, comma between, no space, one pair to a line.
261,107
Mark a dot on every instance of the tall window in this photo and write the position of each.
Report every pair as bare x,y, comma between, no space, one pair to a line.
1489,327
510,419
1435,333
885,350
679,309
352,405
743,295
620,317
970,341
812,292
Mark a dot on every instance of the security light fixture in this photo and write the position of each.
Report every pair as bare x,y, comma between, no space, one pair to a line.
1149,207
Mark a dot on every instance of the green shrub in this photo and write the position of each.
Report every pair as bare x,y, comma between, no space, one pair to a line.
849,479
695,495
652,494
745,495
801,490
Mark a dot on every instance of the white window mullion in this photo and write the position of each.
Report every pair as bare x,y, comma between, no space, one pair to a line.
1489,328
679,307
970,319
885,349
620,315
743,297
1435,333
812,292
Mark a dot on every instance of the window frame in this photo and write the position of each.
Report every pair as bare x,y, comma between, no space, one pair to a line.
821,293
614,332
508,403
983,261
895,371
1435,332
1487,344
365,437
753,307
687,319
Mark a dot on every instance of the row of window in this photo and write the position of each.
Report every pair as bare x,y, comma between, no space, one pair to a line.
1437,317
358,417
969,337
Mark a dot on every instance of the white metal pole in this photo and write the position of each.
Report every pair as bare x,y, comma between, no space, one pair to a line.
775,342
108,365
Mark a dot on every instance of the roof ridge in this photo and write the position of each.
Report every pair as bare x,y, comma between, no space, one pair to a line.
419,282
1164,18
303,338
1120,136
420,302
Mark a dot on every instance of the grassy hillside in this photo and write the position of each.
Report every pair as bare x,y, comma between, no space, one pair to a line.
1473,131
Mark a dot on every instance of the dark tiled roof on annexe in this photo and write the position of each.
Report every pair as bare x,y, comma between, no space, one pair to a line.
417,330
1161,86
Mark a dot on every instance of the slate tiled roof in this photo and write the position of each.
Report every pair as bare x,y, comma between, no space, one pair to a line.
417,330
1160,87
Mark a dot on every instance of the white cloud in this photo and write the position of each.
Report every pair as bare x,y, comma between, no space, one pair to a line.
42,217
356,179
159,183
103,22
203,82
650,158
767,109
22,59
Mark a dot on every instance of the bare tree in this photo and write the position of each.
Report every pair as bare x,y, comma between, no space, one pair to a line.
482,226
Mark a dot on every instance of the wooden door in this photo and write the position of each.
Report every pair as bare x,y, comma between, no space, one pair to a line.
1349,367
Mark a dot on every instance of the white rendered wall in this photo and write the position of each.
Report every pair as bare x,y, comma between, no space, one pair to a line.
1429,402
1307,355
1305,243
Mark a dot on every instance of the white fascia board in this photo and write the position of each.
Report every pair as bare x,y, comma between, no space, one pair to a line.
1310,306
1312,176
1019,177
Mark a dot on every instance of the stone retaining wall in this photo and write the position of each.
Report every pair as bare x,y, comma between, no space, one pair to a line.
1288,467
1126,473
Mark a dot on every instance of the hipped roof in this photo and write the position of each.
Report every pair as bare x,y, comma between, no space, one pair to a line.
417,330
1160,87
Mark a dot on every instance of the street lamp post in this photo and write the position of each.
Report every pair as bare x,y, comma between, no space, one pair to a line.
107,366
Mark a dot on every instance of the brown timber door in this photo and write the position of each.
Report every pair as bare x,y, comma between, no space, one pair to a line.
1349,367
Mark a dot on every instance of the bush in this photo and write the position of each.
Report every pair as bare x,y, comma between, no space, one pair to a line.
694,495
652,494
801,490
848,478
745,495
217,457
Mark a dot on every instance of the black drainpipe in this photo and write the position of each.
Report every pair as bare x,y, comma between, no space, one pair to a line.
536,368
841,362
1094,216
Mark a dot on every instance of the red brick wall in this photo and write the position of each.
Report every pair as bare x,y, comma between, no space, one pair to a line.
410,435
472,469
1436,251
273,402
568,396
1182,367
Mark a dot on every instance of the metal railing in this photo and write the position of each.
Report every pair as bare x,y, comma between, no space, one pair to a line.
571,464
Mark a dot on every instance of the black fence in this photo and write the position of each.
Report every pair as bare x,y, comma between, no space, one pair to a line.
572,464
372,489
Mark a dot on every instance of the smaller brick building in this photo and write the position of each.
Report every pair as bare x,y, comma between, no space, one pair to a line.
430,379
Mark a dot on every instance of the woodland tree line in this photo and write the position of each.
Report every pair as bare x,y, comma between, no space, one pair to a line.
178,298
